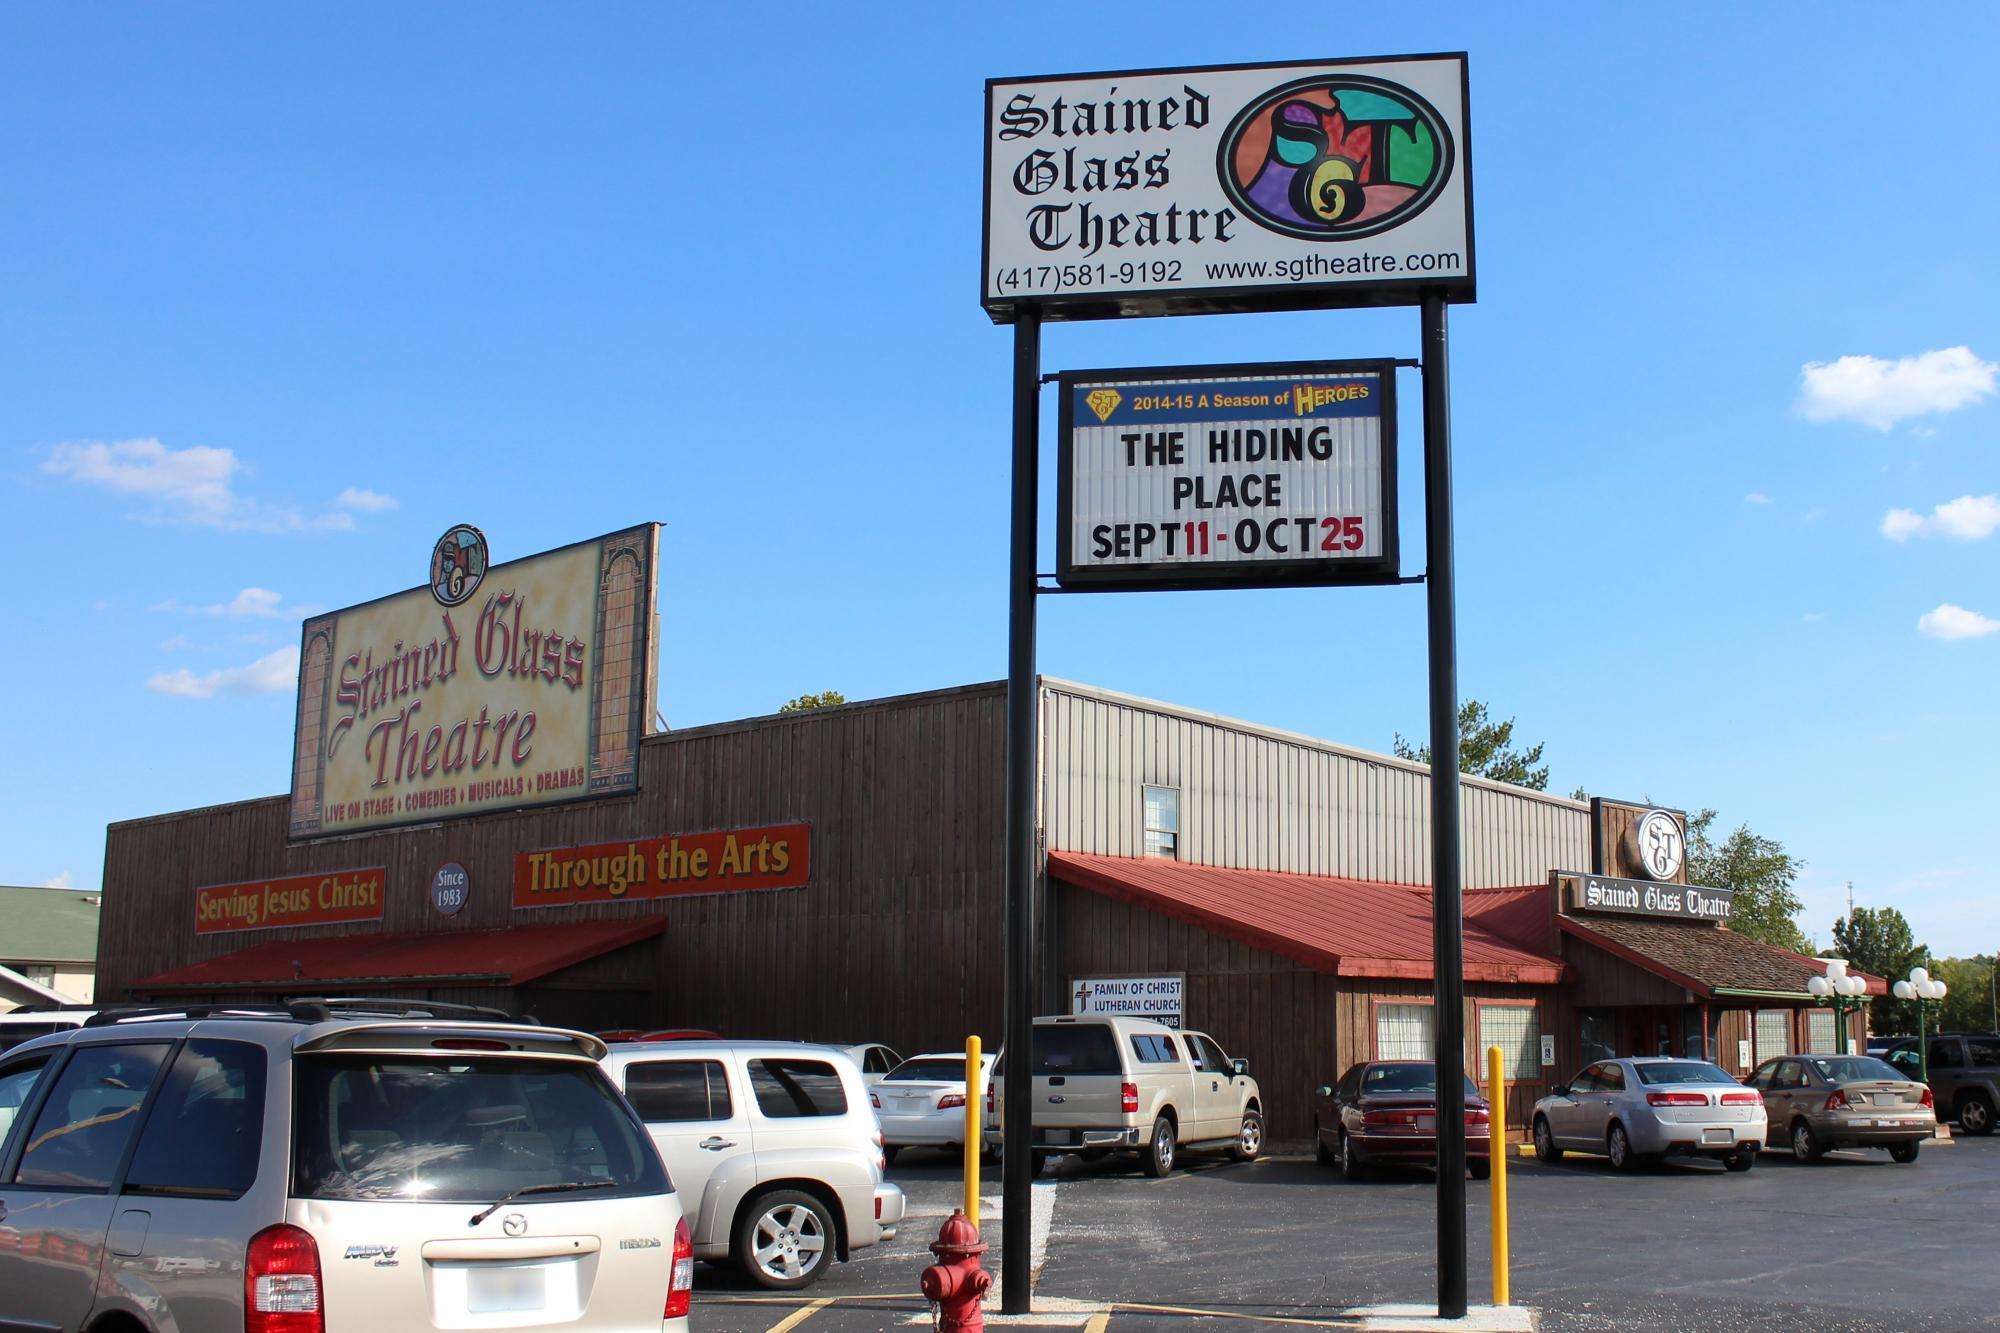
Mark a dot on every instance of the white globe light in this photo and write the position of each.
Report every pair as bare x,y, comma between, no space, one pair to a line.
1856,986
1904,991
1937,990
1919,975
1836,968
1817,987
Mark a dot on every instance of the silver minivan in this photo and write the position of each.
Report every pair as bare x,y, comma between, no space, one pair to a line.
308,1169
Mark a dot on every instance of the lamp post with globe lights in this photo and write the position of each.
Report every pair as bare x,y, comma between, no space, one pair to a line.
1926,991
1842,990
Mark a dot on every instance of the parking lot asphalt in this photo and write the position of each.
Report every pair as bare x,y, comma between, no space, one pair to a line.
1852,1243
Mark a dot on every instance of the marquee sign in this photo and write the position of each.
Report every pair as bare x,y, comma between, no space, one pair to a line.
490,687
1228,476
1638,840
1228,188
328,898
680,865
1644,897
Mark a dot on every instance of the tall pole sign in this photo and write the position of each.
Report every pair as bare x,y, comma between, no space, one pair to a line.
1296,186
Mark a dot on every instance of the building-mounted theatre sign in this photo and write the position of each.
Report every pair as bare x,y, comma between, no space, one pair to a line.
332,897
490,687
1228,188
1228,476
1584,893
680,865
1638,841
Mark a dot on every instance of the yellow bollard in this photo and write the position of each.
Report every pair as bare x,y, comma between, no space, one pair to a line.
973,1093
1496,1150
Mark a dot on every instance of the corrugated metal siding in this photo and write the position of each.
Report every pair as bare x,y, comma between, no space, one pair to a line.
1257,799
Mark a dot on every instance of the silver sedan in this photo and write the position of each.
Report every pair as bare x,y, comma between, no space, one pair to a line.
921,1102
1636,1111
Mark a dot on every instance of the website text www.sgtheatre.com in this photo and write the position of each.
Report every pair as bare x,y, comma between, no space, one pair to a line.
1013,279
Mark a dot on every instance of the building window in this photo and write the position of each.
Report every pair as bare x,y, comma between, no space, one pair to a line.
41,976
1163,822
1774,1033
1599,1034
1820,1030
1516,1031
1404,1032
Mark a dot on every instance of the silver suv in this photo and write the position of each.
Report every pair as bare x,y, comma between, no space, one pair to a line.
774,1145
328,1167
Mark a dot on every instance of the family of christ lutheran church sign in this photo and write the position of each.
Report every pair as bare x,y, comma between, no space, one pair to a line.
489,688
1248,187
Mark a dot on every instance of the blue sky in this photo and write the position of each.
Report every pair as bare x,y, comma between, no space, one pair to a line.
287,291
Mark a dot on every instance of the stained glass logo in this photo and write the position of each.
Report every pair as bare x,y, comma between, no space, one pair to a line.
1335,157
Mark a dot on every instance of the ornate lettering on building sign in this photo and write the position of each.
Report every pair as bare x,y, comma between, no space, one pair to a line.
1638,897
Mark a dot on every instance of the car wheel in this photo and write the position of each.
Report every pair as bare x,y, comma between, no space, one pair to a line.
1975,1114
1805,1143
1545,1141
1321,1153
1481,1167
1903,1152
785,1240
1249,1138
1618,1147
1160,1148
889,1154
1740,1161
1352,1165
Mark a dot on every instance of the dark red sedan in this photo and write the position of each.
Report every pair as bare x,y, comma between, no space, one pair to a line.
1386,1111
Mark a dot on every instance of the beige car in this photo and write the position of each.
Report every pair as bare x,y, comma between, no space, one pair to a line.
1111,1084
329,1168
774,1147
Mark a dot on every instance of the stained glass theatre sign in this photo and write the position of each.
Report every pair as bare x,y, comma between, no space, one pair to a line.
490,687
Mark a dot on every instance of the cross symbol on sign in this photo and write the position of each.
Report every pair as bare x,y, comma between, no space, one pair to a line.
1083,994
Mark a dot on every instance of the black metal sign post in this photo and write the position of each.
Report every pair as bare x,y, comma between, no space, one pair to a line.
1447,907
1017,1125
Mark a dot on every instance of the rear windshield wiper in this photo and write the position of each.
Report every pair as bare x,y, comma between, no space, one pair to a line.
547,1188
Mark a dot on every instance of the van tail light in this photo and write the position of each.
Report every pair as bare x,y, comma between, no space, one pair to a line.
1680,1098
680,1288
1391,1117
1128,1098
1927,1101
1740,1099
281,1282
1477,1115
1838,1101
951,1099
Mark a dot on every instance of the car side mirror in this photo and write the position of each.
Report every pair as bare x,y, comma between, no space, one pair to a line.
1559,1090
1239,1066
1324,1091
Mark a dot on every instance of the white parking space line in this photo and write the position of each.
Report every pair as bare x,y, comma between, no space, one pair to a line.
1041,1220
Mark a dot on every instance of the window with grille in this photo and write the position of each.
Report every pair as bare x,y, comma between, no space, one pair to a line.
1515,1030
1774,1033
1820,1030
1163,822
1404,1032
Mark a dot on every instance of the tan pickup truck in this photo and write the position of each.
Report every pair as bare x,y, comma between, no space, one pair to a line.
1105,1085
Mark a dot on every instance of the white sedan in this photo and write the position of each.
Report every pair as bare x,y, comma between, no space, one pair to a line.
921,1102
1636,1111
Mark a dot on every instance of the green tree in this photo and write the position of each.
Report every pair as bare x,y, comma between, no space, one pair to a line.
1483,750
1761,872
1879,940
824,699
1968,996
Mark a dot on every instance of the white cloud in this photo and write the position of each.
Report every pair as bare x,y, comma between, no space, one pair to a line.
194,485
1955,622
176,643
270,674
259,603
372,502
62,881
1757,498
1881,393
1813,617
1969,518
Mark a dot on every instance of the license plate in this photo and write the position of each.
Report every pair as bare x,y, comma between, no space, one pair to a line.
1718,1136
1063,1137
1887,1099
506,1290
1427,1124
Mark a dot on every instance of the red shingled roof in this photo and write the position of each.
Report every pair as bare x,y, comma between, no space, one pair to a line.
508,957
1348,927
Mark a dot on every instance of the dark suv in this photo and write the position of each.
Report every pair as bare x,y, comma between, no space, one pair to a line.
1965,1075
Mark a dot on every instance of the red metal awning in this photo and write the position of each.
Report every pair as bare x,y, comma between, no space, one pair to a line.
1348,927
505,957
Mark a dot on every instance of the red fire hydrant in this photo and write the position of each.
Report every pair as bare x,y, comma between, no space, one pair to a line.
956,1283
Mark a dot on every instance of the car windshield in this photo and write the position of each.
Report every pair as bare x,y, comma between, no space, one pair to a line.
1406,1078
1683,1071
928,1071
377,1126
1852,1068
